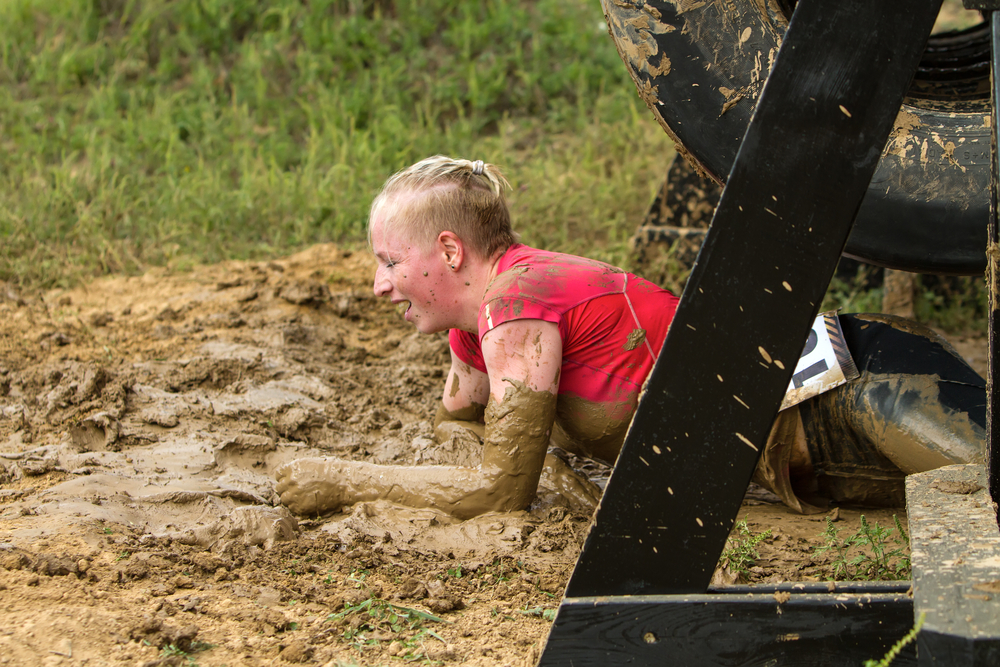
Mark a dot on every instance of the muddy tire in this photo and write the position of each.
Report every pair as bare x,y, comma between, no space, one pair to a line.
700,67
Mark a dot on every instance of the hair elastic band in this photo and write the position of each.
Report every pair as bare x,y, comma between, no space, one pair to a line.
477,167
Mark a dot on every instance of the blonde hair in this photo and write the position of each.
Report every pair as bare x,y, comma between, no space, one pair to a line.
440,194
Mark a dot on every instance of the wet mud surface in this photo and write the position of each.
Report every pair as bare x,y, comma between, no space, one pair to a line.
141,420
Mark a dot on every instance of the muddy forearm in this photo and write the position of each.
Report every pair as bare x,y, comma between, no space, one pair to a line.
517,434
518,429
461,492
319,485
309,486
516,438
442,487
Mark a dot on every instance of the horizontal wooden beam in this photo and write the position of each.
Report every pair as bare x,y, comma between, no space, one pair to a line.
788,625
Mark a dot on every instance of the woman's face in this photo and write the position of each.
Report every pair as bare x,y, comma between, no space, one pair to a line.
412,273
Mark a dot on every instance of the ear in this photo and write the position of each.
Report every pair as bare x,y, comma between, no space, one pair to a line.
452,249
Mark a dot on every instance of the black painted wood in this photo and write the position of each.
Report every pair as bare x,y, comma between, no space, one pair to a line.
949,650
803,167
993,280
788,629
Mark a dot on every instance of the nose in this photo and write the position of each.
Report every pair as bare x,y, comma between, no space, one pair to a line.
382,284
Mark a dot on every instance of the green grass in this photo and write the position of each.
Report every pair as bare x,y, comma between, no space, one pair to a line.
156,132
954,304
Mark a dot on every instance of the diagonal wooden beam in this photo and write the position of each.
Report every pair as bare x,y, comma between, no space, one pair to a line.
784,217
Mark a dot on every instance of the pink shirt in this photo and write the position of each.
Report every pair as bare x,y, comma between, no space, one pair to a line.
612,323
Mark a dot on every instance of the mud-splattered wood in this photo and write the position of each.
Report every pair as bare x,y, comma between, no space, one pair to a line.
955,547
993,279
772,626
801,172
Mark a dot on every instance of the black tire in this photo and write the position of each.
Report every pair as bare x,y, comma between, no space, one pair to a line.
700,68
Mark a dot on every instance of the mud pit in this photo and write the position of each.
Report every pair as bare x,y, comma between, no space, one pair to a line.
140,422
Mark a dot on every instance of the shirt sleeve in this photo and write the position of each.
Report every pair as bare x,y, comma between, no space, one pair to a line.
466,347
507,308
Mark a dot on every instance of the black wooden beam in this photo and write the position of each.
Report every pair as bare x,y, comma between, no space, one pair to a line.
993,280
784,217
785,626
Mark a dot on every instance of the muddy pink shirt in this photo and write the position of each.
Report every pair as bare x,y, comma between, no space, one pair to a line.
612,323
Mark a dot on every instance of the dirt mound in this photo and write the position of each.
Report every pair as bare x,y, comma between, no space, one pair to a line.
141,420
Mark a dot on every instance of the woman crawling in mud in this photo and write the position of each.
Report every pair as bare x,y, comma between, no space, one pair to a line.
553,349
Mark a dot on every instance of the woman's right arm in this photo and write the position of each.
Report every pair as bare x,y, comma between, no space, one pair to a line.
525,355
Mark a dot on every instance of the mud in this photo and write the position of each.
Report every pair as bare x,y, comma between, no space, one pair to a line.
142,420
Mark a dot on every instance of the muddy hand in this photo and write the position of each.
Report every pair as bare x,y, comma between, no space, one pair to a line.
312,486
582,494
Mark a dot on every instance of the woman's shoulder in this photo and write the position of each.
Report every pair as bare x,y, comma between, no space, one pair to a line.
520,256
526,272
544,285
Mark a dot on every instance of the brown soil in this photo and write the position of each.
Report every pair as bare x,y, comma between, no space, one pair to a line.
140,422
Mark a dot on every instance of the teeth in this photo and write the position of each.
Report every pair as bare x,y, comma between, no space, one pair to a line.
402,307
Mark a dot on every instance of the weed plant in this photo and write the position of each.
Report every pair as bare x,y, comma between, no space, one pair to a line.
152,132
953,303
546,613
186,655
501,570
898,647
374,618
741,552
868,553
